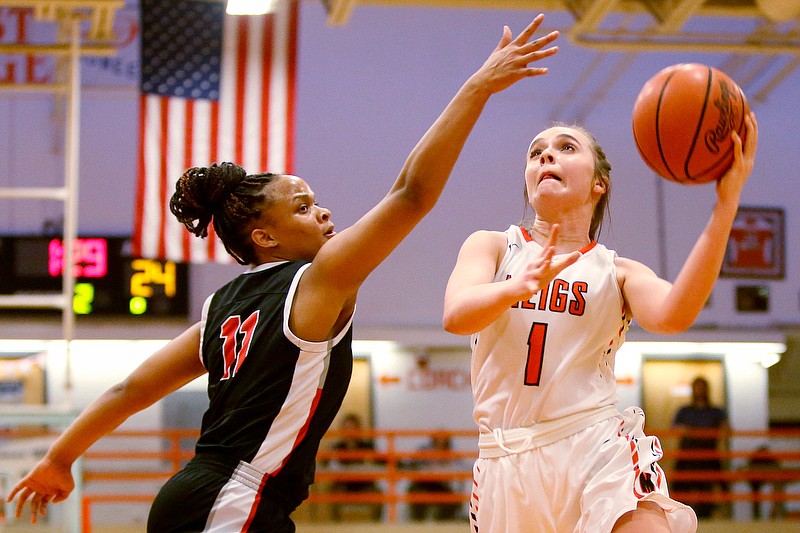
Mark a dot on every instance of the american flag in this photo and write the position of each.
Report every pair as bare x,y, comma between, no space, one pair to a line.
214,87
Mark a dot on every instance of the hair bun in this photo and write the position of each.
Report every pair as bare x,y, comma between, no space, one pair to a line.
202,191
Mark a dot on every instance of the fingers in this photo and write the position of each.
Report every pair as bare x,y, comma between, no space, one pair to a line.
744,148
38,501
23,497
541,42
529,30
13,493
564,261
505,39
751,140
38,507
553,238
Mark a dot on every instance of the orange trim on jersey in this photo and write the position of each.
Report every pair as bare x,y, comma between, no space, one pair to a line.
528,238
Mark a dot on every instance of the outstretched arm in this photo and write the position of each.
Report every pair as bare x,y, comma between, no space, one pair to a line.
662,307
168,369
344,262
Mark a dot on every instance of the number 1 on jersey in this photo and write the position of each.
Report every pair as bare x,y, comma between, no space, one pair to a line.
533,368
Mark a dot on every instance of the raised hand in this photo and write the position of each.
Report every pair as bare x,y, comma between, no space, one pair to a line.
541,271
509,62
731,183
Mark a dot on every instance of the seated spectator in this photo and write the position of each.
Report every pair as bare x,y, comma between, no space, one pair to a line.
434,511
351,442
760,461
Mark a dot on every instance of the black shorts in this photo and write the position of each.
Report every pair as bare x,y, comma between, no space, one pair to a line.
213,493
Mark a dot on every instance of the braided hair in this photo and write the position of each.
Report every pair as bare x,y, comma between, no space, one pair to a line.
227,197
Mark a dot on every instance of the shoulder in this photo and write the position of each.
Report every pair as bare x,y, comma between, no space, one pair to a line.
485,240
487,235
625,264
627,268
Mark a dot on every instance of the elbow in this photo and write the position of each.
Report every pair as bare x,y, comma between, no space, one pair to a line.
672,326
419,197
449,326
681,322
452,324
129,394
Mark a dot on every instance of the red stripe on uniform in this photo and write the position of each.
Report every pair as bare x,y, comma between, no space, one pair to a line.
300,435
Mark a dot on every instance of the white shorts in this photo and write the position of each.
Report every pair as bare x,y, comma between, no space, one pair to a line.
581,484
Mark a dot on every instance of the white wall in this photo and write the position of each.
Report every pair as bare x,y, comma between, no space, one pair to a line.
418,387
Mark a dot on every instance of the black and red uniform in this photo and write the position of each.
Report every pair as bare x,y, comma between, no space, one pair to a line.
272,398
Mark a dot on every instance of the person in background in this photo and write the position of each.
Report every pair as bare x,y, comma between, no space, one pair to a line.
700,414
275,343
763,463
439,443
354,443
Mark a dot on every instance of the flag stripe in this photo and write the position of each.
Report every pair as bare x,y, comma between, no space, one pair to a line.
290,55
162,173
249,124
266,69
241,74
187,162
138,213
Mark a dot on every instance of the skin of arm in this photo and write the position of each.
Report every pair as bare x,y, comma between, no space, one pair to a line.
330,284
663,307
168,369
473,300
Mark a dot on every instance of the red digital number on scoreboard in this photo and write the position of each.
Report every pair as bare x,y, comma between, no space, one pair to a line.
89,258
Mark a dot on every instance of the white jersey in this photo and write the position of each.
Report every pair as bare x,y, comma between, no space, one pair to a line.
553,355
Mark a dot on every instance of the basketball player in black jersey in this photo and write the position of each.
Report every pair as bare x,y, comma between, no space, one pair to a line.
276,341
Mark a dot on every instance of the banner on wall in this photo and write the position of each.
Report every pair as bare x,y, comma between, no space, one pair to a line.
19,25
214,88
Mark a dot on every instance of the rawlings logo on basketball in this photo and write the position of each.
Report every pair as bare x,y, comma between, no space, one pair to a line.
725,123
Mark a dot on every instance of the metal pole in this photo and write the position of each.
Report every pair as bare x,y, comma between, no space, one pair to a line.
72,146
661,222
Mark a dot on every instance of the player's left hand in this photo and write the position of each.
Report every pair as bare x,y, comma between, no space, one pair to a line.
47,482
509,62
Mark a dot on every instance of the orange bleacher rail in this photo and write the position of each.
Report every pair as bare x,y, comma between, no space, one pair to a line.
394,452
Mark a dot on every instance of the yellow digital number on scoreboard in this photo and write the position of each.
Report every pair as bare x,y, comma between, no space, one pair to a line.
149,272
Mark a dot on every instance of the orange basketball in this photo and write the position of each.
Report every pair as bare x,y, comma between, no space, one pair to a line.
682,122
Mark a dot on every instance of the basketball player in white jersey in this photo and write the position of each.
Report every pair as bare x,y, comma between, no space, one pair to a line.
547,307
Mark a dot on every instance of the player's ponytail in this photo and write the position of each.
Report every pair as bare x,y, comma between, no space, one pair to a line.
227,197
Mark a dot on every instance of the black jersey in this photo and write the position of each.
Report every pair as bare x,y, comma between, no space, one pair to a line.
272,395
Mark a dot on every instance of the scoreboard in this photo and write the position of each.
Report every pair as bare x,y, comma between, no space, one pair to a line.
108,280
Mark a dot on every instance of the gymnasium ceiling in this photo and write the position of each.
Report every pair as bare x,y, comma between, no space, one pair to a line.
760,38
757,36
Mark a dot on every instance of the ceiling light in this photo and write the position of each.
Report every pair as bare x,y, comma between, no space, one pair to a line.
250,7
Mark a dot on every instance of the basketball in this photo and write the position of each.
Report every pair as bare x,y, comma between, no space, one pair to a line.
682,122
